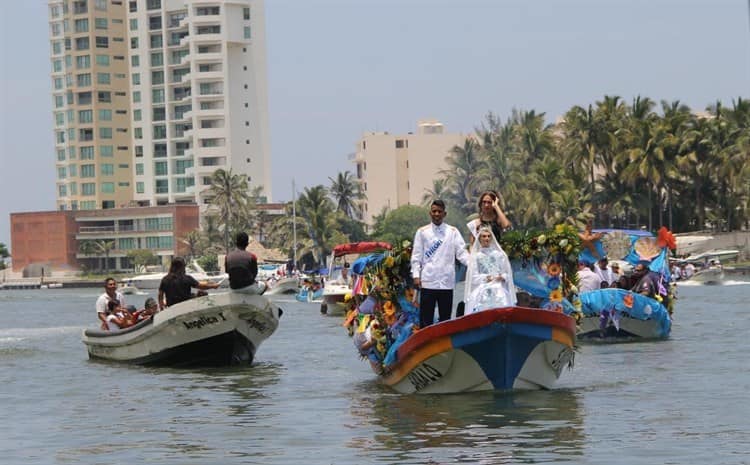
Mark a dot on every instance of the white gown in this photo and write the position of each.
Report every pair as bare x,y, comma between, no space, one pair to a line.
483,290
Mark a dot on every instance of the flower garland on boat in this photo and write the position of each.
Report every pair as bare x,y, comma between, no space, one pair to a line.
548,258
382,312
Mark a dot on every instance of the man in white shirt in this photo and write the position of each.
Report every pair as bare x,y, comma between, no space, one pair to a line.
602,269
587,279
435,250
111,294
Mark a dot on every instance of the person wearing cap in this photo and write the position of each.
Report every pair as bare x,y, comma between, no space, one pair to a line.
604,272
645,282
587,279
615,267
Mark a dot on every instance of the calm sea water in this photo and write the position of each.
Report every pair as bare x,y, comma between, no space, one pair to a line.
309,400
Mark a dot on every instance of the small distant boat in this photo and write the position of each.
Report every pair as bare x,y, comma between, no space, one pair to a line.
306,294
127,289
711,275
337,286
214,330
152,280
51,285
498,349
287,285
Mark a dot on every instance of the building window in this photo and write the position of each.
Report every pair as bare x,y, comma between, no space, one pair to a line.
85,135
139,188
108,169
157,96
87,152
399,143
105,133
157,59
102,42
156,40
106,151
153,4
104,97
246,29
161,186
160,168
102,60
134,42
157,77
246,14
88,171
133,24
81,25
105,115
100,5
136,115
154,23
82,43
83,80
136,96
160,131
102,78
100,23
85,116
135,61
136,79
108,188
139,169
88,188
83,62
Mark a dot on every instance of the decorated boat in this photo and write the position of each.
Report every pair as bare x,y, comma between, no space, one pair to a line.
218,329
621,314
339,282
493,349
498,349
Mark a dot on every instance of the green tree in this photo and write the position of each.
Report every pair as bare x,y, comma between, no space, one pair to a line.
142,257
230,195
99,248
316,209
194,241
346,192
4,254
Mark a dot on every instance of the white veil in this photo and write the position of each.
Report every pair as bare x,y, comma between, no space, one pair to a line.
489,278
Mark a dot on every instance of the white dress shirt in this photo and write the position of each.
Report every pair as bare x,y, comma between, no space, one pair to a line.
435,249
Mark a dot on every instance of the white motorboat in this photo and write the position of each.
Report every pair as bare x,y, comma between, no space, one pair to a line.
214,330
337,285
711,275
287,285
152,280
127,288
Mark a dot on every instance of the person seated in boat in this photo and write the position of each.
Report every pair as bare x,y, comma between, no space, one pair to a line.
111,294
242,267
604,272
489,279
345,273
118,317
176,286
645,282
587,279
616,274
150,308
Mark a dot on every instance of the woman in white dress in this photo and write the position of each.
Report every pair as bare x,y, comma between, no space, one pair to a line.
489,279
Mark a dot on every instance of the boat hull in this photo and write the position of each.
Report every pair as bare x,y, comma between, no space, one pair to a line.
618,315
284,286
334,296
708,276
499,349
215,330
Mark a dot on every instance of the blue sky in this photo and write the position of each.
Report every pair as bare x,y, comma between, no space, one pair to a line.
338,68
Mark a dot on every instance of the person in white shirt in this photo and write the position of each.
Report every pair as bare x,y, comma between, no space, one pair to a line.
111,294
436,248
587,279
602,269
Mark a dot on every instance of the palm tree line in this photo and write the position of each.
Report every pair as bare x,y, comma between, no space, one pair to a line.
617,164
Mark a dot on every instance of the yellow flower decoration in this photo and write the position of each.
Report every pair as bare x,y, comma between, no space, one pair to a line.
389,261
555,296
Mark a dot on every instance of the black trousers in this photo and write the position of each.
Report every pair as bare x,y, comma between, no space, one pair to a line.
427,300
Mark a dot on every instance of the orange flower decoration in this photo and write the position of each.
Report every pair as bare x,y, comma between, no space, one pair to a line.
388,308
628,300
555,296
553,269
390,319
665,238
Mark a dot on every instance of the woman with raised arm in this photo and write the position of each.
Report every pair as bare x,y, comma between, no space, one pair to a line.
490,215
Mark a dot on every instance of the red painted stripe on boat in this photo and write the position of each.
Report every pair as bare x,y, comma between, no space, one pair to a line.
477,320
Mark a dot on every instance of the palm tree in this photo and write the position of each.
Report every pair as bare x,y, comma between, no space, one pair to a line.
230,196
346,191
317,210
100,248
193,240
438,191
463,176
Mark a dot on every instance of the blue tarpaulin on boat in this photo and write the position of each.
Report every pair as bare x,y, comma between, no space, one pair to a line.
633,305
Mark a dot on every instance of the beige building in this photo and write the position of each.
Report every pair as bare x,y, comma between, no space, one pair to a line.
91,104
397,170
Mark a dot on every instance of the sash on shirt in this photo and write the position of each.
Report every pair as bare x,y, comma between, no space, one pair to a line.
430,252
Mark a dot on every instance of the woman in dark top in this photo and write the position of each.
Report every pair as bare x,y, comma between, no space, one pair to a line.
490,215
176,286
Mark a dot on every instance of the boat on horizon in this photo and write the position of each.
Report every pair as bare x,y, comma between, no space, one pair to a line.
215,330
153,280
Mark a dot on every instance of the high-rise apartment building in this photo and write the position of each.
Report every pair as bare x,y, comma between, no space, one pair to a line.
88,43
396,170
199,97
152,96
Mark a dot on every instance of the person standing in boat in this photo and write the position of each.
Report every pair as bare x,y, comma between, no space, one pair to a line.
490,215
111,294
436,248
242,267
176,286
